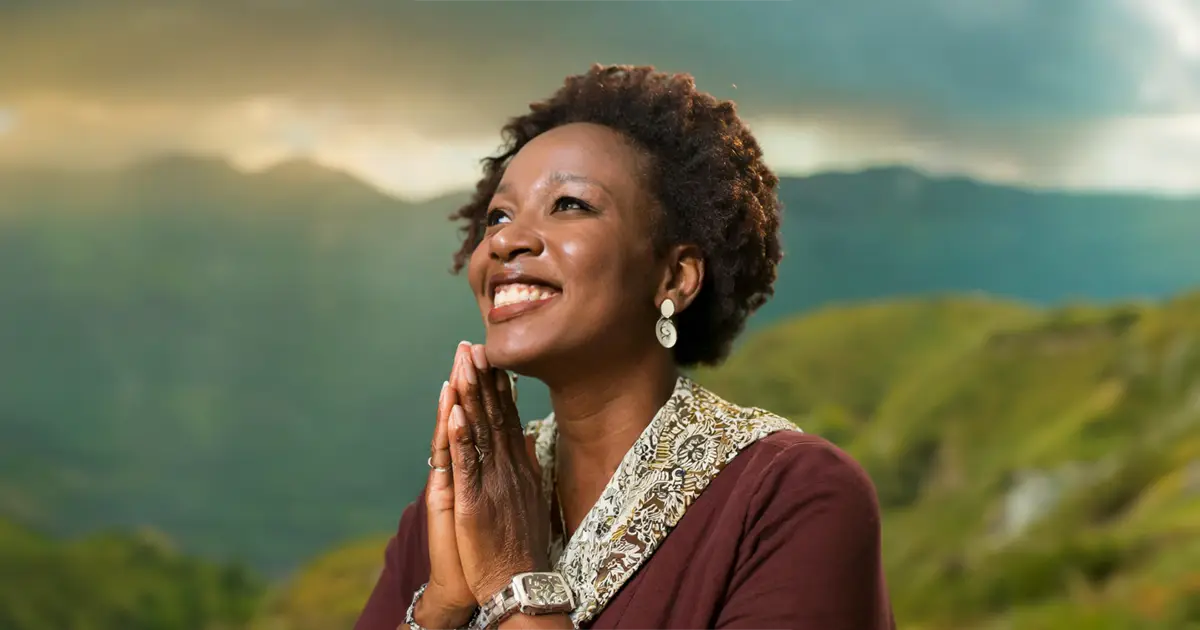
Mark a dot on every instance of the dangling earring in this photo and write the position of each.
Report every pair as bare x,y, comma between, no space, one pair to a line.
665,330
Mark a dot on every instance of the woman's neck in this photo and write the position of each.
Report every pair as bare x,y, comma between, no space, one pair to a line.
598,421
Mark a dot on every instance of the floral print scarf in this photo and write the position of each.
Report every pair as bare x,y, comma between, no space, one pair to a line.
689,441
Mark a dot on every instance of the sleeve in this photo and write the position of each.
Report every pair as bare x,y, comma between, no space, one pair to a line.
810,558
405,568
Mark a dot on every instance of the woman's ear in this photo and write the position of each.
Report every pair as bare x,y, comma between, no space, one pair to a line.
683,277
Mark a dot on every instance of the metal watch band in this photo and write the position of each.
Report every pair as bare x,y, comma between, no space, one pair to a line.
501,606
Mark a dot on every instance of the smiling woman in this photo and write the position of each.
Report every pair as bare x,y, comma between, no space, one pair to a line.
627,231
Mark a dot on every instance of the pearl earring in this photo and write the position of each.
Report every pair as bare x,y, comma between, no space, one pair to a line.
665,330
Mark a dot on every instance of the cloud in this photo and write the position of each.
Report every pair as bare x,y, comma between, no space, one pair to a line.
1140,153
966,60
253,133
1171,61
410,94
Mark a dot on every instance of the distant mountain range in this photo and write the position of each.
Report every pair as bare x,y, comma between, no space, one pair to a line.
248,362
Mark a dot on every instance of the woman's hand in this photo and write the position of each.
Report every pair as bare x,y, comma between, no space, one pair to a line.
501,519
447,601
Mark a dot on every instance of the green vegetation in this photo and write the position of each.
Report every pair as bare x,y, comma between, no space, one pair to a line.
329,593
117,582
1037,469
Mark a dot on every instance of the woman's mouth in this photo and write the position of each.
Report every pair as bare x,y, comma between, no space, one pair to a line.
514,300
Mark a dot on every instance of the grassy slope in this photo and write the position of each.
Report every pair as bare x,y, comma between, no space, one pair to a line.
962,408
116,581
329,593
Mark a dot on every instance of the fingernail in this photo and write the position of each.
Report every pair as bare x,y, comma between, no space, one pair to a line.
445,384
480,356
460,364
457,420
464,343
470,373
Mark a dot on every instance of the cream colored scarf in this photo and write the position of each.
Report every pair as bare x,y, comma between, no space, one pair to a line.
689,441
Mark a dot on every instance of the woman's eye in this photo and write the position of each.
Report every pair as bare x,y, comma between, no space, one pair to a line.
496,217
570,203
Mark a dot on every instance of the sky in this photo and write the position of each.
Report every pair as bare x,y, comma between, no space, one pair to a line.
410,94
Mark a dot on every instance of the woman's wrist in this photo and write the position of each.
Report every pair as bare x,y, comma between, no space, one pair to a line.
434,613
488,590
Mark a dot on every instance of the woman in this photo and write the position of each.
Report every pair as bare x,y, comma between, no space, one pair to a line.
627,230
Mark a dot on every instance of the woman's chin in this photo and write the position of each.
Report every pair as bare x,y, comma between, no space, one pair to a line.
521,358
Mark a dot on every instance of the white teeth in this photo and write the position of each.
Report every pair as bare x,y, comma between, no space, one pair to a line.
513,293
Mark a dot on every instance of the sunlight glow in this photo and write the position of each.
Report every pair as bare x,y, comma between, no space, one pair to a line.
8,120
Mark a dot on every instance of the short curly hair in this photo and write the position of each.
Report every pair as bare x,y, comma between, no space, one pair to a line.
708,176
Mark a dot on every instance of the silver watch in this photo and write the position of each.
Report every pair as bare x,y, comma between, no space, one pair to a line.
529,594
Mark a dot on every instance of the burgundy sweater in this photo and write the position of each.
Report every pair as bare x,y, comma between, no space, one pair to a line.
786,536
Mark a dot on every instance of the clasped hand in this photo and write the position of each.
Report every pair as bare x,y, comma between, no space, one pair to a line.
486,516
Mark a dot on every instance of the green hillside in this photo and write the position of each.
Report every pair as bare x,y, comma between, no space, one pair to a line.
1038,469
117,582
328,593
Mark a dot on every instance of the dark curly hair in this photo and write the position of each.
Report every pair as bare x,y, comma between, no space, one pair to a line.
707,174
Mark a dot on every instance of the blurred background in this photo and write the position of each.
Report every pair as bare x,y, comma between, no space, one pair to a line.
226,312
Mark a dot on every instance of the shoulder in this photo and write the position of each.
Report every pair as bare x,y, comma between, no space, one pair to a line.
796,454
780,463
801,472
809,539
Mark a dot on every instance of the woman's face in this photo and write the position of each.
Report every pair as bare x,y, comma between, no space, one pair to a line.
566,270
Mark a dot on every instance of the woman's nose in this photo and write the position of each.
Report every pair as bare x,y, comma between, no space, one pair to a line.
515,239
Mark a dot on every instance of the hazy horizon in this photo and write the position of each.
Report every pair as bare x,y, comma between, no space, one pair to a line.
309,161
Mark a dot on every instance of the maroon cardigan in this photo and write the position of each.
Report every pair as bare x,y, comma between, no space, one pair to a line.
786,536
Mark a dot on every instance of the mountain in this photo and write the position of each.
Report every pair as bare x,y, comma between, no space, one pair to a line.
248,361
237,359
894,231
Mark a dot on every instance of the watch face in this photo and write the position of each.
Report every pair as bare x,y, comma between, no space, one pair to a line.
545,590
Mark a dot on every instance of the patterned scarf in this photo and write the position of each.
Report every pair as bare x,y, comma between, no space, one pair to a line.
691,439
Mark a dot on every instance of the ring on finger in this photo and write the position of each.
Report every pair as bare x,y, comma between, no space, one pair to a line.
445,468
